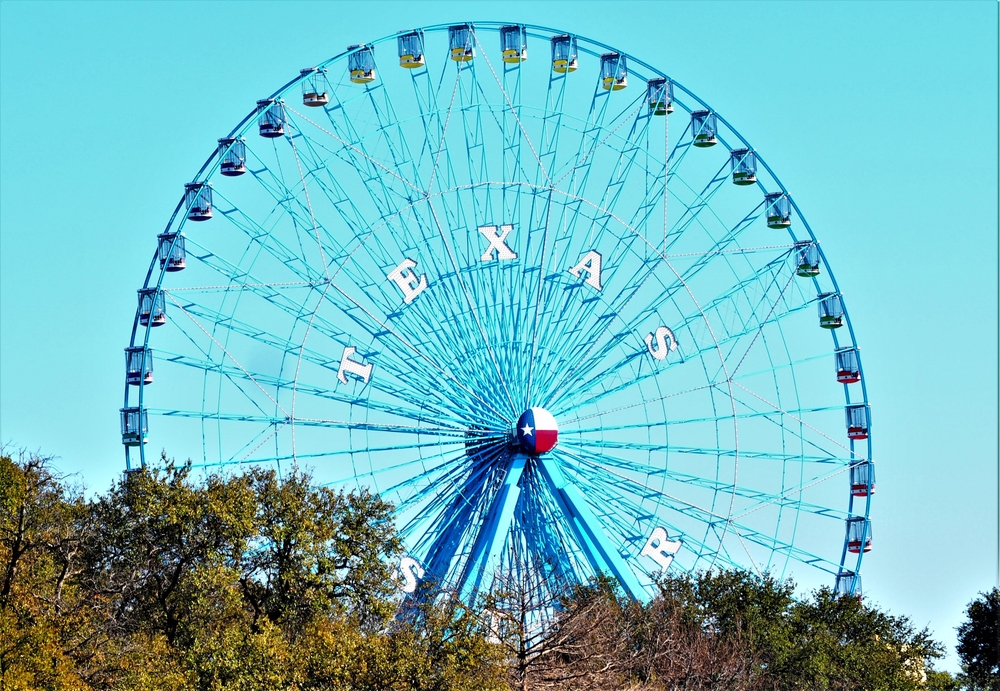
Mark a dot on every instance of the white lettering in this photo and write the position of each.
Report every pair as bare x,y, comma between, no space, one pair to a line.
407,281
591,263
363,372
662,348
660,549
498,245
412,573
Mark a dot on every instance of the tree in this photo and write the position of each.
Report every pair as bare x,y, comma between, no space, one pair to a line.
979,641
171,582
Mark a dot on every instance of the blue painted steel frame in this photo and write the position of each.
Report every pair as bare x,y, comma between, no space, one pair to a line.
601,554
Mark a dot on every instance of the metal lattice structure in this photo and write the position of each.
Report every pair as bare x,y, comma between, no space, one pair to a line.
427,238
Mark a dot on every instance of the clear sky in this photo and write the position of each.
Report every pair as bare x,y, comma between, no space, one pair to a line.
881,118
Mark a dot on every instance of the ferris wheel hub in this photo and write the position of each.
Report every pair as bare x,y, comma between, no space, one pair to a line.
537,431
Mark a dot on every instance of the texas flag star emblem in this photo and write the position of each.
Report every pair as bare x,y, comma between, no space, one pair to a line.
537,431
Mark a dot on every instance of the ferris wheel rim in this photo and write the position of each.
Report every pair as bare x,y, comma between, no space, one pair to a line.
247,123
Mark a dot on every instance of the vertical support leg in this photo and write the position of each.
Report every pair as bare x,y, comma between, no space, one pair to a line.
491,539
601,553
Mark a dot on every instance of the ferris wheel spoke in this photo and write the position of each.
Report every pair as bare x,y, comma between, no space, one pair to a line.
625,515
297,263
702,200
249,377
391,208
580,442
383,328
406,386
368,169
760,498
707,418
513,107
743,531
642,273
543,525
596,379
473,311
437,417
358,151
450,539
441,491
590,139
436,472
440,133
795,415
303,421
536,303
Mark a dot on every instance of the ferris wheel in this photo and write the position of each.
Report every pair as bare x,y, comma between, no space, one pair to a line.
557,310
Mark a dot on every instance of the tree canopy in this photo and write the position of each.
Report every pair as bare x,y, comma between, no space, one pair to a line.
174,580
250,581
979,642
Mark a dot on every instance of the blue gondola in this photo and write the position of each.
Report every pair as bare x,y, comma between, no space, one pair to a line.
859,534
152,307
361,64
513,43
744,166
135,425
778,209
411,49
232,157
704,129
807,259
315,87
614,72
831,311
170,249
858,421
848,584
461,43
863,479
660,96
270,118
848,369
564,55
138,366
198,200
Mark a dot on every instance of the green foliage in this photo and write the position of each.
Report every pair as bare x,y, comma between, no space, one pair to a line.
979,642
252,581
172,582
942,681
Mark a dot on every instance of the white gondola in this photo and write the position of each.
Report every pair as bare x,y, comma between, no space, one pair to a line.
232,157
831,311
135,425
138,366
806,259
270,118
315,87
152,307
170,250
198,200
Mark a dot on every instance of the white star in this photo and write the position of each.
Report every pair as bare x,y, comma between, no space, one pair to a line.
527,430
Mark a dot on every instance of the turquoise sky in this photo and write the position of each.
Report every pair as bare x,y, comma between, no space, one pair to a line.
880,118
